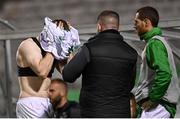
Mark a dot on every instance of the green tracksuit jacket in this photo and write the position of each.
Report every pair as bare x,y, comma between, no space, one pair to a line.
157,82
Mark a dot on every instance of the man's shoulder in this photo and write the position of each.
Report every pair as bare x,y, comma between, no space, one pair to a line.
28,46
130,48
91,39
27,42
156,42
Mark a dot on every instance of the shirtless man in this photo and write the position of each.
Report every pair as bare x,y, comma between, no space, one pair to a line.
35,67
33,79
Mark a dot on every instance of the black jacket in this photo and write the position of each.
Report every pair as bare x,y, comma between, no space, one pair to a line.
107,65
70,110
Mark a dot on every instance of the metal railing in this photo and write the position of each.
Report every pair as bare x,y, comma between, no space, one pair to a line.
6,85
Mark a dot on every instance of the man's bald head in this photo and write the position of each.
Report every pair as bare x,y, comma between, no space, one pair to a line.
108,20
59,85
58,92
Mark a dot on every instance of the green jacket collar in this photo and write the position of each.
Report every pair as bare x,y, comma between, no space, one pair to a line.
148,35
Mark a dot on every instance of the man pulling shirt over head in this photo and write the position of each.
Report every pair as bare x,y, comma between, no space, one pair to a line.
36,62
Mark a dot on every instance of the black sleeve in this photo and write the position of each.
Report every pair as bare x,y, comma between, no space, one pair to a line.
74,68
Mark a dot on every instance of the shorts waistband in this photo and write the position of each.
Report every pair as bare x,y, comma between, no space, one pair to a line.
33,98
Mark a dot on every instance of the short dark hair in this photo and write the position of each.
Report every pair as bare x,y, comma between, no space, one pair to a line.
104,15
108,13
149,13
59,81
65,24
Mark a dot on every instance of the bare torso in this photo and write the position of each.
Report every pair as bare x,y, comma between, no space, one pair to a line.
31,86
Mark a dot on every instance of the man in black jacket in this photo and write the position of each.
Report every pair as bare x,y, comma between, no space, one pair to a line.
63,108
107,65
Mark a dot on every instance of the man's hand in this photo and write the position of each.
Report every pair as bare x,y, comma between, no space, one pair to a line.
148,105
71,55
133,106
61,65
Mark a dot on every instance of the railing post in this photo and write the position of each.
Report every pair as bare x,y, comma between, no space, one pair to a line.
8,72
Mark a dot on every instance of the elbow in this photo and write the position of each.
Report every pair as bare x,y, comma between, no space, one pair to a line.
70,75
43,74
68,79
166,78
169,75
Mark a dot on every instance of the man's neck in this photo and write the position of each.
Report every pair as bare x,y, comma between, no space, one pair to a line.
62,102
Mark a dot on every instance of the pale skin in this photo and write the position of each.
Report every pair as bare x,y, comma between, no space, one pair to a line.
57,89
29,55
142,26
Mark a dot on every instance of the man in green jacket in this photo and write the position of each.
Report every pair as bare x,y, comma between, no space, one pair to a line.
156,91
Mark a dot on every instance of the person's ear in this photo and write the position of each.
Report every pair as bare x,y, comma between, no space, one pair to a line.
99,28
147,22
118,28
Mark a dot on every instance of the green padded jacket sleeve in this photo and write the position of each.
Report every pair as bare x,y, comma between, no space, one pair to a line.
157,59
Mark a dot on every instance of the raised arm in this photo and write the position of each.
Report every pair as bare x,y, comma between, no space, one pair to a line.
74,68
30,56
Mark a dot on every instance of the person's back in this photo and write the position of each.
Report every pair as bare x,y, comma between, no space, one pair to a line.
108,77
